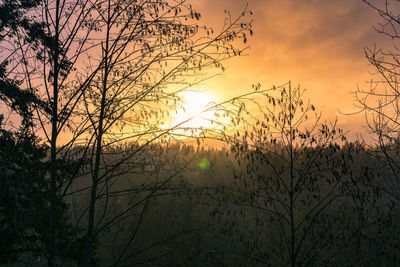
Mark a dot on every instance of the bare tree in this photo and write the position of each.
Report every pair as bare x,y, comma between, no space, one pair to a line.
289,181
147,48
381,100
108,72
380,104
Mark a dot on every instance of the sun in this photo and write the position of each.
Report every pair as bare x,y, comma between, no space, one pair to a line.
196,111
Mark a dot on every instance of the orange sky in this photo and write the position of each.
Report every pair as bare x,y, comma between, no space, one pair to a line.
315,43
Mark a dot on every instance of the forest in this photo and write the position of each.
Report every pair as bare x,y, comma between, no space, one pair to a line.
106,160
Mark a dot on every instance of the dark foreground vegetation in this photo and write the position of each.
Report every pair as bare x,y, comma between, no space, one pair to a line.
236,210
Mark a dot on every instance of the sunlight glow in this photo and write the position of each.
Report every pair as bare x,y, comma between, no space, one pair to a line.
193,110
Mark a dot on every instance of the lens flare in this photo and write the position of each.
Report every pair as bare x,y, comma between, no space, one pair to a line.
204,164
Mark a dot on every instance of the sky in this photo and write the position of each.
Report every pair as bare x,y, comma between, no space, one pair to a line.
317,44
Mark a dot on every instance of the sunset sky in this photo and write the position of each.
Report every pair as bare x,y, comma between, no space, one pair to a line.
318,44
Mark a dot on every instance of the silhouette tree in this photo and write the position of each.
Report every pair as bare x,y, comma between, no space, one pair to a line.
380,103
147,49
24,197
106,73
289,182
13,22
381,100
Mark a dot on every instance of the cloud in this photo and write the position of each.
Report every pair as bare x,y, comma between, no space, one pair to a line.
316,43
